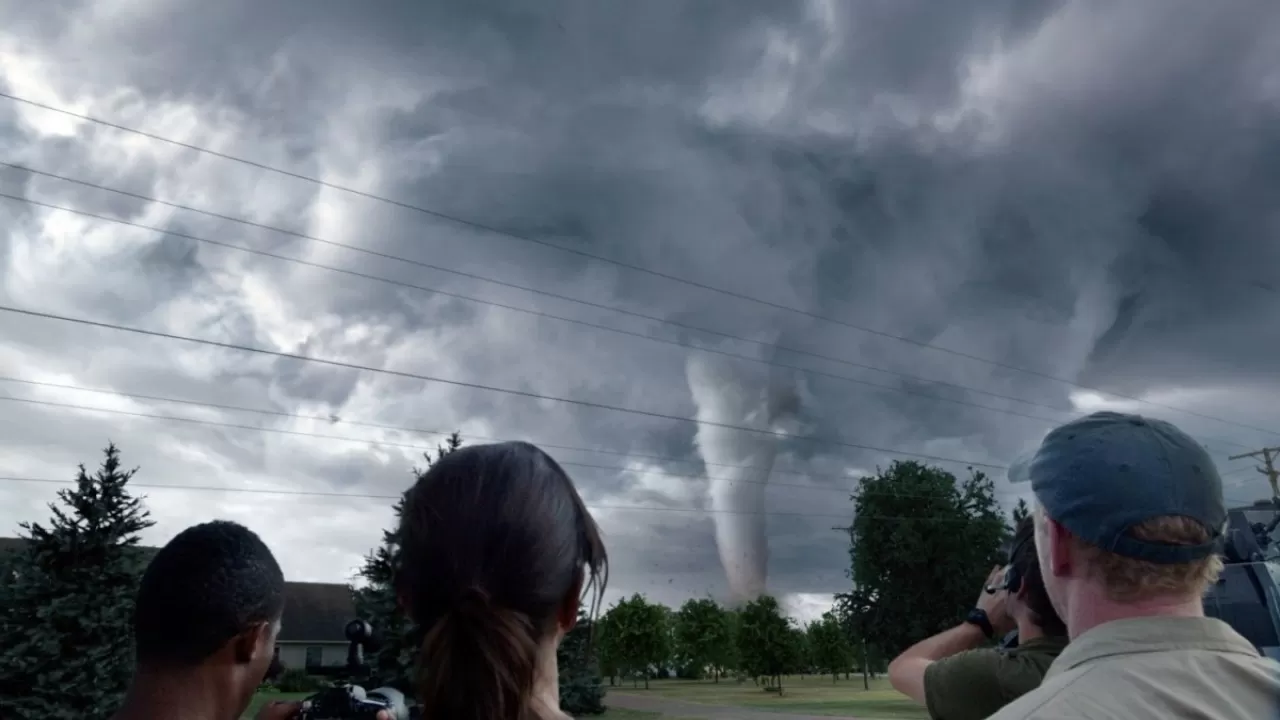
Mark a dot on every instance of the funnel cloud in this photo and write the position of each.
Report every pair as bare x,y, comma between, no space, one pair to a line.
743,462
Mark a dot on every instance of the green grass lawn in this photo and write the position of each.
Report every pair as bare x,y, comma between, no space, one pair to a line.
811,695
261,698
611,714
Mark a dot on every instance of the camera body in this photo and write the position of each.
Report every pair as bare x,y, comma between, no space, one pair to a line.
350,701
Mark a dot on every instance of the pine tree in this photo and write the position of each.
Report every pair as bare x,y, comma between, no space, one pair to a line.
1021,512
392,662
581,685
66,630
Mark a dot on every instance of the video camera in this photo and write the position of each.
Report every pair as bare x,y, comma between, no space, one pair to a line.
1011,581
348,701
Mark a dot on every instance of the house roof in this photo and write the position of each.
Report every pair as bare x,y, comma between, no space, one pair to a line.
313,612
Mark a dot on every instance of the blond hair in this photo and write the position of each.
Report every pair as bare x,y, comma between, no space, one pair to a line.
1129,580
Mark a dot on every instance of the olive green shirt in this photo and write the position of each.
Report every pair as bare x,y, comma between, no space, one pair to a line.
973,685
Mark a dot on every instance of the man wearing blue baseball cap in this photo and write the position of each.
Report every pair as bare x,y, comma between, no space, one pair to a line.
1129,522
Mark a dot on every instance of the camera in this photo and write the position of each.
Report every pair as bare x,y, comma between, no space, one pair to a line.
349,701
352,702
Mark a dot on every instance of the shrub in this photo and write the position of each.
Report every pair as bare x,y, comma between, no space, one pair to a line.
296,680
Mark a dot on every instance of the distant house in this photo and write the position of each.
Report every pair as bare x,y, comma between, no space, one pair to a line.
315,618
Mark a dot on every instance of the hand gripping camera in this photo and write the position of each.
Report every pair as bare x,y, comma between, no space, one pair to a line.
353,702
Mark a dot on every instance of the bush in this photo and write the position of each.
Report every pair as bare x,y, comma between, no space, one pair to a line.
581,686
296,680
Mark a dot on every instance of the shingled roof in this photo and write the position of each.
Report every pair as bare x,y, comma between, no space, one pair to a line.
313,612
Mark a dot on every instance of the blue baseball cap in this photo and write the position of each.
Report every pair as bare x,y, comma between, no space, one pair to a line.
1101,475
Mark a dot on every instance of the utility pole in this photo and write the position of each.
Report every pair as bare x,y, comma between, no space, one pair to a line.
1269,457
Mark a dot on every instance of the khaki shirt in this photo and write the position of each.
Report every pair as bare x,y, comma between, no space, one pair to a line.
973,685
1157,667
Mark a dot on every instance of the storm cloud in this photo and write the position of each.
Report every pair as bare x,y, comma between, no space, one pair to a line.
959,225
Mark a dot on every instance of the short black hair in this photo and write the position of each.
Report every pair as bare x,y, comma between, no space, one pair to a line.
209,584
1027,561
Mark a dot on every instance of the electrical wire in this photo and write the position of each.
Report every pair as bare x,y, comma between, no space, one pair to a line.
553,316
425,448
333,419
612,261
373,496
538,313
487,388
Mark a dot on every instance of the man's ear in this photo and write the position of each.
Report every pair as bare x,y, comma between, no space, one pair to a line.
1060,556
248,645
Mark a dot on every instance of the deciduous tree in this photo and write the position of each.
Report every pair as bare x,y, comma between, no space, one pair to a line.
766,642
703,636
829,643
634,636
921,543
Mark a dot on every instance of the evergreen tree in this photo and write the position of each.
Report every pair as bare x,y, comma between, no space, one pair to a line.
391,663
581,685
66,629
1021,512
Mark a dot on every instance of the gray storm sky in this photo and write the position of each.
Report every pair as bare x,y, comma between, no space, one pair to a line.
1084,190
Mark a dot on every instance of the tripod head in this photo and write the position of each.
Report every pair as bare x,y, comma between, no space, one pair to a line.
360,639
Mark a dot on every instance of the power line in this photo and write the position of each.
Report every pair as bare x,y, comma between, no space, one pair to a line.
575,321
333,419
371,496
480,386
282,431
538,313
619,263
388,443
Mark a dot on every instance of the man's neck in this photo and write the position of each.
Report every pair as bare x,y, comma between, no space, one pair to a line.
1091,607
1028,631
174,696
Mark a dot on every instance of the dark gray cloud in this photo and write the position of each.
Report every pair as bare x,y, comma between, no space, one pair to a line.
1080,189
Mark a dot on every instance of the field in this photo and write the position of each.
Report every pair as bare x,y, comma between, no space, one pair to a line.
612,714
811,695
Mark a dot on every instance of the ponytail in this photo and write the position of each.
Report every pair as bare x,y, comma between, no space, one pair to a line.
478,662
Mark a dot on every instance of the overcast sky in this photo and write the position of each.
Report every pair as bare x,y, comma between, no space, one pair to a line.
1048,201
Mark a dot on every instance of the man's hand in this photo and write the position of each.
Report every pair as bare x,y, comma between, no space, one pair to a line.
282,710
995,605
279,710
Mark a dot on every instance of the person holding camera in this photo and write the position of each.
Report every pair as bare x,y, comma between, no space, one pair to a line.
205,624
1129,523
496,551
956,675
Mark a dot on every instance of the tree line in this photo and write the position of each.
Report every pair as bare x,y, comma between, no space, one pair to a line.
703,639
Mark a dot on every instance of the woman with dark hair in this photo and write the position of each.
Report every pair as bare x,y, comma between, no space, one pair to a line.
497,551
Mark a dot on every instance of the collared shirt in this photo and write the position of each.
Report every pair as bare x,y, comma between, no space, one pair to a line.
1156,667
973,685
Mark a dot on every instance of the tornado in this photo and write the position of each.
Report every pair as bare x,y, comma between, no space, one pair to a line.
740,463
